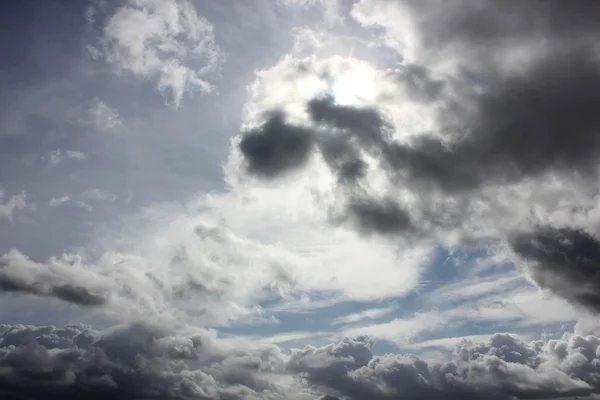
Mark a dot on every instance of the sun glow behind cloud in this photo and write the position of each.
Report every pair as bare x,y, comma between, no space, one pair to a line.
354,86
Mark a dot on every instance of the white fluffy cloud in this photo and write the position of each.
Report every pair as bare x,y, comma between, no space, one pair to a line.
167,42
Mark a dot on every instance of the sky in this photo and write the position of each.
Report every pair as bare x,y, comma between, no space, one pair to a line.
299,199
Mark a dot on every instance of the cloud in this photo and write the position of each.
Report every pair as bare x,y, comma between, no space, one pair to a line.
62,279
167,42
343,182
504,367
563,260
102,116
135,361
98,195
59,201
57,156
141,360
523,308
488,37
505,148
14,203
374,313
275,147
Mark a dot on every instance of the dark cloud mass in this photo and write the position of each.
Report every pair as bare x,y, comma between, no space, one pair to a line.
276,147
565,260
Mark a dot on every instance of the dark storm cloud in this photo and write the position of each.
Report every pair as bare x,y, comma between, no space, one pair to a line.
130,362
505,367
276,147
564,260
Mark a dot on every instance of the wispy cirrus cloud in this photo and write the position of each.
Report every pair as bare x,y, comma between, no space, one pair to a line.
373,313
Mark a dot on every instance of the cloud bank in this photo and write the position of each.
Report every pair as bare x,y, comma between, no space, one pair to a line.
139,361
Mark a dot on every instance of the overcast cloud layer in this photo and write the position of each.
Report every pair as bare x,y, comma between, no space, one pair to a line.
371,199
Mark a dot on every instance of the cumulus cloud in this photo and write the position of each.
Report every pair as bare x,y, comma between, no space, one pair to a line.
140,360
135,361
167,42
504,367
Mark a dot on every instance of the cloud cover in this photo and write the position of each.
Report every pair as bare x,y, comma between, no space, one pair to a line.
485,135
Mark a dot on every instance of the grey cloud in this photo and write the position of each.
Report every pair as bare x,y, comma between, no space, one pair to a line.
524,126
367,124
564,260
142,361
379,216
78,295
130,362
343,158
488,23
19,274
276,147
419,83
505,367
